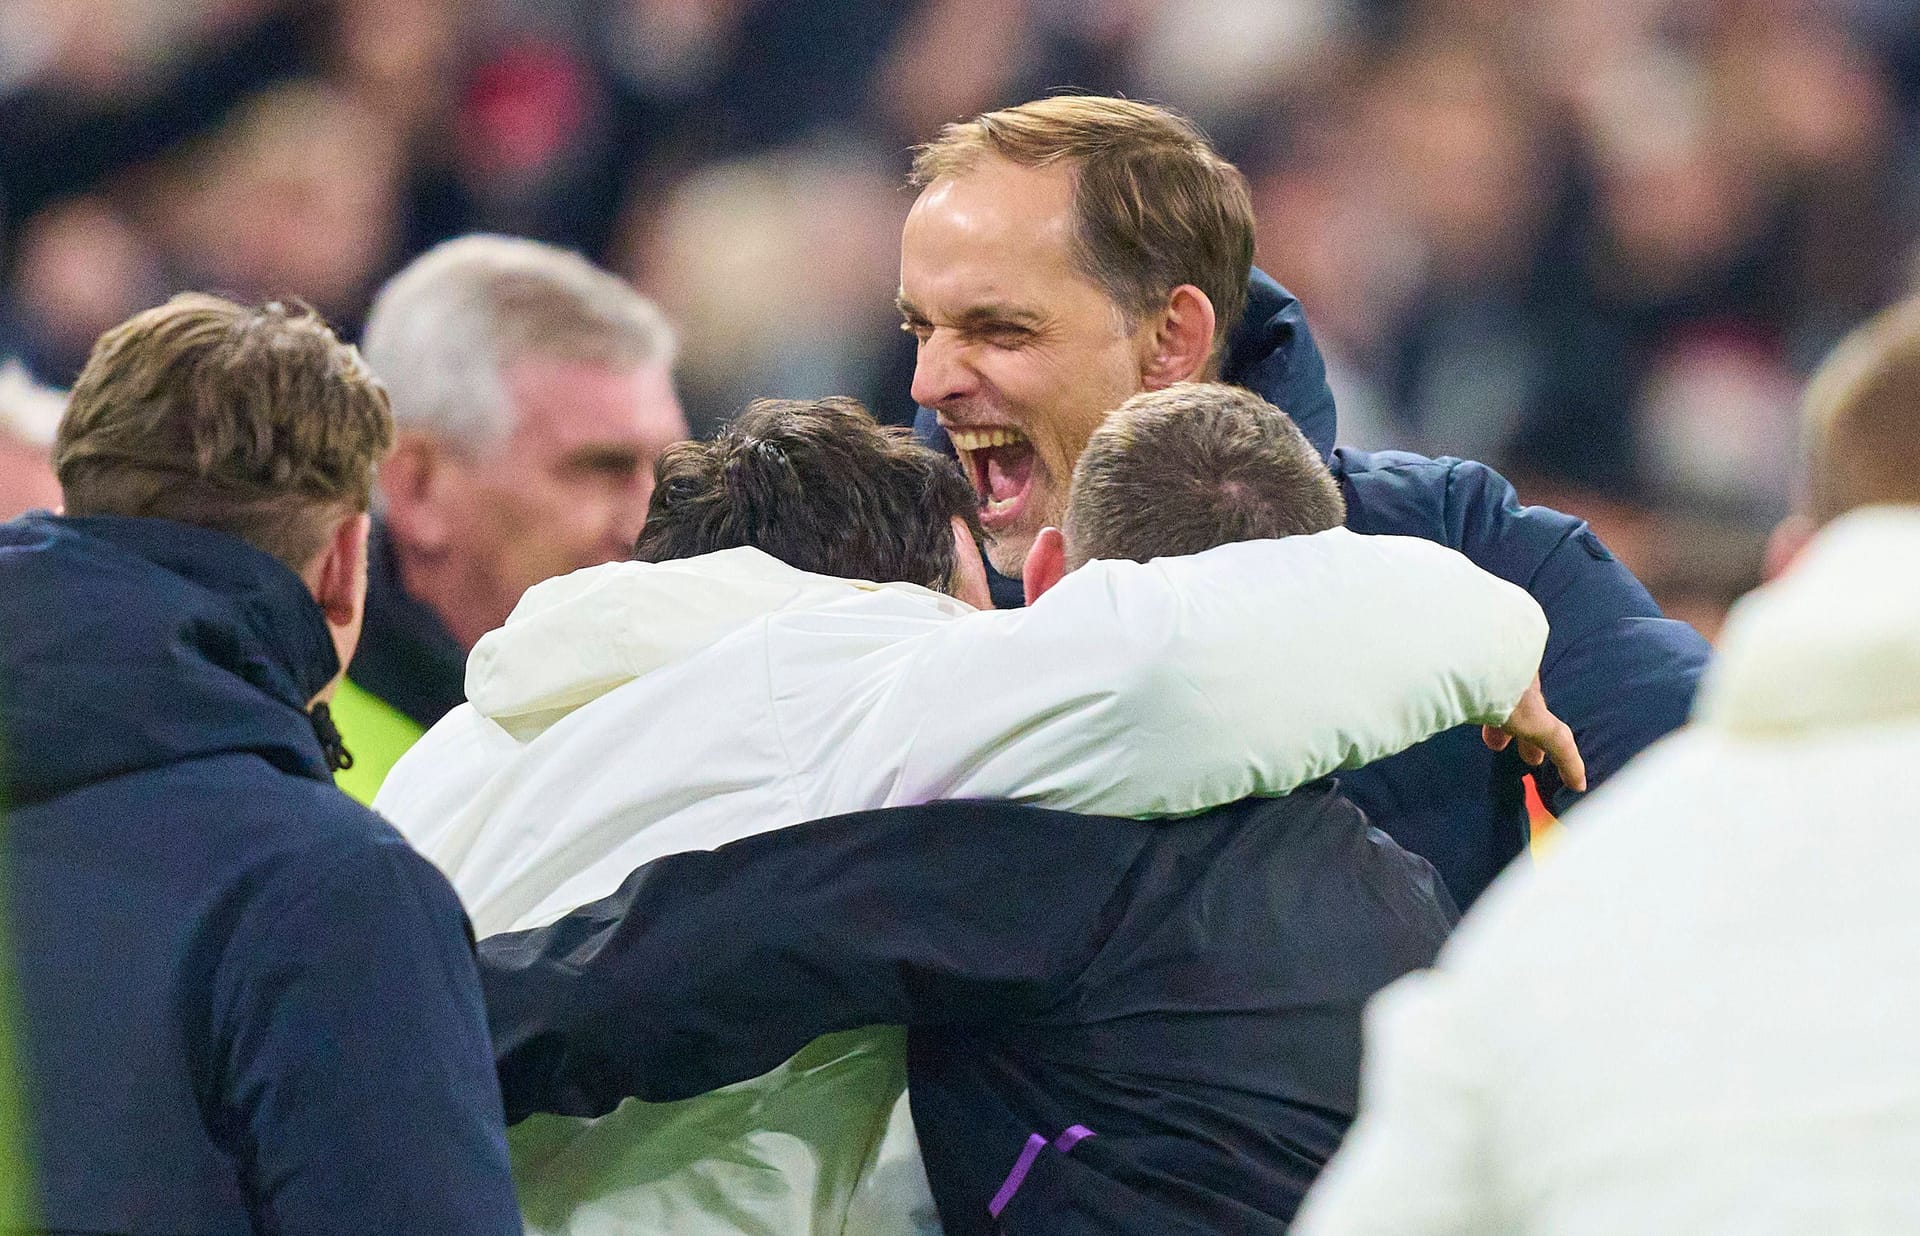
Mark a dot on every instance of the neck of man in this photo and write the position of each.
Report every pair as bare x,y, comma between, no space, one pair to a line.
465,602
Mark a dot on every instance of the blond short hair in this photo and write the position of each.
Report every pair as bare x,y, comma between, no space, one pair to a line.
442,330
1862,418
1195,465
256,422
1156,205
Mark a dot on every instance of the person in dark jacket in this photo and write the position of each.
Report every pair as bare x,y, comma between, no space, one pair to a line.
1070,252
1113,1026
246,1006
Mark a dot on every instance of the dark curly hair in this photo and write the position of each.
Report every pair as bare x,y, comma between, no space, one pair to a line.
817,484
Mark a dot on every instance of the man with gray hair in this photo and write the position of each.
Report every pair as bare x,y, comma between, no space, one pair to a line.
531,393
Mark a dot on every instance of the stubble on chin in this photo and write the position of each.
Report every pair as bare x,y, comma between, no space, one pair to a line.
1007,554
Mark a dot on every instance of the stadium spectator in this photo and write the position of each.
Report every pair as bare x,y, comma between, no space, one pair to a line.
531,394
229,973
29,414
762,695
1591,248
1069,252
1684,1021
296,191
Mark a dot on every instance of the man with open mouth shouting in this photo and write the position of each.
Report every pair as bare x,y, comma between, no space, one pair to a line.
1069,253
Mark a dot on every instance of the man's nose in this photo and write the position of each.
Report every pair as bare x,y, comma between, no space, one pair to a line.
941,372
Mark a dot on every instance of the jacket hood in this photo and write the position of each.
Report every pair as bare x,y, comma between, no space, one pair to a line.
130,644
1272,353
573,639
1833,642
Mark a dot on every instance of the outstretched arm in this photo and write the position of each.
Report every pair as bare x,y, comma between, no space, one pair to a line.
1169,687
711,967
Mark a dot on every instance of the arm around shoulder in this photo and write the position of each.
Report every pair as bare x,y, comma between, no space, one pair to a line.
1180,684
1279,662
711,967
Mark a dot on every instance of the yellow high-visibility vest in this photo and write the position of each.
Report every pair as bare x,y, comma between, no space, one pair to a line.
375,732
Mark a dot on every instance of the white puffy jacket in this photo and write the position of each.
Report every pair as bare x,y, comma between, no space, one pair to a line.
1697,1016
636,710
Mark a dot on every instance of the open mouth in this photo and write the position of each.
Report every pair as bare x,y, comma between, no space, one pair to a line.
999,461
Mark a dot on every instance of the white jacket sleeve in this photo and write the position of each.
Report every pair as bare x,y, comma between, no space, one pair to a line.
1170,687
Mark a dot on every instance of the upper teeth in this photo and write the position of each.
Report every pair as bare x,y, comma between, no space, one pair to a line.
980,439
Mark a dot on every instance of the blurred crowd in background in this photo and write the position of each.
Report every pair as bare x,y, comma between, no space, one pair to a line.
1594,244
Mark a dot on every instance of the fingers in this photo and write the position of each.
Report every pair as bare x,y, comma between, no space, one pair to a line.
1542,737
1566,756
1556,744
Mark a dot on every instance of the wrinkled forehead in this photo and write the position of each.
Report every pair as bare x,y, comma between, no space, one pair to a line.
995,232
572,404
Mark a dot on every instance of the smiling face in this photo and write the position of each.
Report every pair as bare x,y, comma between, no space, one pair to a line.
1020,353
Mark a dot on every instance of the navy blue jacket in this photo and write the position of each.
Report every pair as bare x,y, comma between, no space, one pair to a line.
1615,669
1187,992
247,1006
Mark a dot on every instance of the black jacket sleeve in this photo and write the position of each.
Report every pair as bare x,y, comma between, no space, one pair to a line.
357,1075
711,967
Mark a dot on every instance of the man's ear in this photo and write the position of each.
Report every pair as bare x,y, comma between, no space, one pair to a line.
1046,563
338,581
1183,342
339,578
1789,537
412,479
969,570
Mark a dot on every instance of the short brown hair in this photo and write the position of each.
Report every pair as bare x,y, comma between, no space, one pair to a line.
820,486
255,422
1862,413
1192,466
1157,206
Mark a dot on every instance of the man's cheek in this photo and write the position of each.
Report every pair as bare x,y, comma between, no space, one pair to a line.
1054,458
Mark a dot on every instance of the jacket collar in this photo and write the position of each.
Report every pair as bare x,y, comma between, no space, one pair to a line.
1271,352
1834,642
270,601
